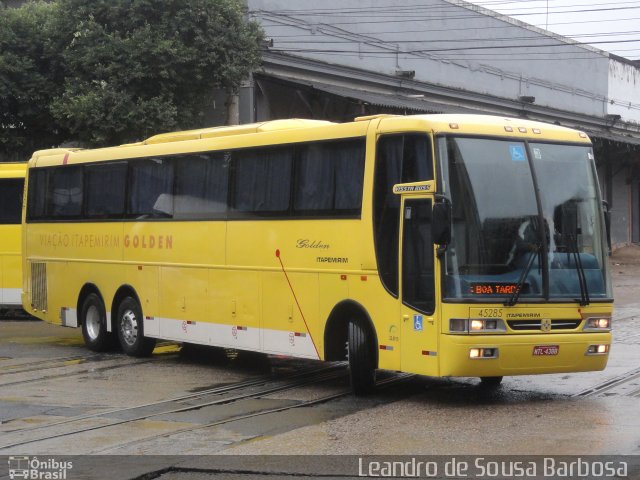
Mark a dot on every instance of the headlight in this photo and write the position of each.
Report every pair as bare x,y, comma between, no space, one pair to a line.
598,324
476,325
479,353
597,350
486,325
458,325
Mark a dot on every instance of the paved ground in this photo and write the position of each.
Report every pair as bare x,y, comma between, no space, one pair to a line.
625,269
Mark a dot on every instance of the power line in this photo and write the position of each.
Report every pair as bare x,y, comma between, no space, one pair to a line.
485,47
412,9
487,27
457,40
432,18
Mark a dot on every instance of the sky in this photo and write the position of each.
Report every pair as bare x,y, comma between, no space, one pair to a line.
609,25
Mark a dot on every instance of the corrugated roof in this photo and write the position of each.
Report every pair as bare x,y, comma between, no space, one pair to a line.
612,136
417,104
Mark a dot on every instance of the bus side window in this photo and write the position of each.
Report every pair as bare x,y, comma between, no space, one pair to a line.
399,159
348,158
202,185
105,190
36,204
65,194
329,178
151,188
11,200
263,180
418,288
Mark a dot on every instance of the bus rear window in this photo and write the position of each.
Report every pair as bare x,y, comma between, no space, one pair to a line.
11,200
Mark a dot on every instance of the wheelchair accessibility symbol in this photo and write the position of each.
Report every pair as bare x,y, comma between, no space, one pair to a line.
517,153
417,323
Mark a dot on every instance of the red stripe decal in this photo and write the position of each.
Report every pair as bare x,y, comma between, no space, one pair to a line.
297,302
65,159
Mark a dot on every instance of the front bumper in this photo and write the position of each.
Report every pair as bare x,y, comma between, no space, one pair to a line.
515,354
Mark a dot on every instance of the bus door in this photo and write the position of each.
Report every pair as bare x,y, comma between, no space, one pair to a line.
419,331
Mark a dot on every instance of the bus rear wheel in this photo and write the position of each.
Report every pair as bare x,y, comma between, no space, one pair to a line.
131,329
362,369
94,324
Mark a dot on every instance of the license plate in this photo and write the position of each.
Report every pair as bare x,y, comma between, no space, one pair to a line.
546,350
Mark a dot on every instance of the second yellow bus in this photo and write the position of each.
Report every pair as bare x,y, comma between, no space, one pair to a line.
11,194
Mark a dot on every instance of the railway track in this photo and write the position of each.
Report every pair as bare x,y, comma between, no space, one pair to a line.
44,364
188,397
92,369
380,385
93,362
627,383
255,388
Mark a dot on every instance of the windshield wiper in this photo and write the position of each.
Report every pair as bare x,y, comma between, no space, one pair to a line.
513,299
582,279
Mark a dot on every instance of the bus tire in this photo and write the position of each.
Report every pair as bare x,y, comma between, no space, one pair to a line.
490,382
130,326
93,317
362,369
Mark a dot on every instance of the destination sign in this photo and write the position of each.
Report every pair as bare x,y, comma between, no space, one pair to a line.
492,288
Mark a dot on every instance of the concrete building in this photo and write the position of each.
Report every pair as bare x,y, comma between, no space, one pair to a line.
344,58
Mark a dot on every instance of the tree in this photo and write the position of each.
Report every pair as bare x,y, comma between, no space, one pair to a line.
30,77
136,67
116,71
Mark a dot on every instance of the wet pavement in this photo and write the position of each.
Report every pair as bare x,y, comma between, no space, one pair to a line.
56,397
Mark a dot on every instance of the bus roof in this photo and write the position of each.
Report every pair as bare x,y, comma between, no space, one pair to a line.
491,125
230,136
270,126
13,169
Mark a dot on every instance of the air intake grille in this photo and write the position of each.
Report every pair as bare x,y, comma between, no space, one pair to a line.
39,286
537,324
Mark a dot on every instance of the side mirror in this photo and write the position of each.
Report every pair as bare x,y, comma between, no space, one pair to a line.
607,222
441,223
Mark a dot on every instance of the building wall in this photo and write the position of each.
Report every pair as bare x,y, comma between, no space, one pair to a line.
620,208
624,90
440,43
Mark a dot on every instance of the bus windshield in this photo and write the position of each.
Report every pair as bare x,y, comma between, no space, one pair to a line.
527,221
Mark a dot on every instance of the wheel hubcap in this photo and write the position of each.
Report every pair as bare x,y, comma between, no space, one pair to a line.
93,322
129,327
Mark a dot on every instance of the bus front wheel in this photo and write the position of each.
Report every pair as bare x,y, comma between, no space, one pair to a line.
94,324
362,369
131,330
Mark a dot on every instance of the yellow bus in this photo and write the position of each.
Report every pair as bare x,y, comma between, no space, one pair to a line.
434,244
11,193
